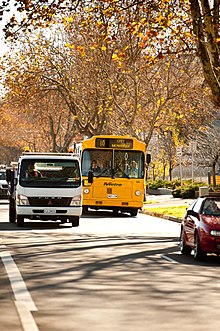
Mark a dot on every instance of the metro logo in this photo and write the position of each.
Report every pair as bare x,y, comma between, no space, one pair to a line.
112,184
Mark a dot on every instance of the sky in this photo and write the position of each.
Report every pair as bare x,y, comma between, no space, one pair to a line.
6,17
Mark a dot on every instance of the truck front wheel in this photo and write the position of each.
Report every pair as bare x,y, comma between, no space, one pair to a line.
12,211
75,221
20,220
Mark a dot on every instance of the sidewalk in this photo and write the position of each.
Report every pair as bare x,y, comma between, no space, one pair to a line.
166,200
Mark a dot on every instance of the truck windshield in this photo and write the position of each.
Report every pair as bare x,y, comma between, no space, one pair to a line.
49,173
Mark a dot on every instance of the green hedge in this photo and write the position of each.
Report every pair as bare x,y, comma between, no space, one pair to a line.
186,191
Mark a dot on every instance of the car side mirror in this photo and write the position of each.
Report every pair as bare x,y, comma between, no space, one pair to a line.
90,176
192,213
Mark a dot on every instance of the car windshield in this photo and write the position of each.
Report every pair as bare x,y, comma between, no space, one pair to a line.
49,173
2,175
211,207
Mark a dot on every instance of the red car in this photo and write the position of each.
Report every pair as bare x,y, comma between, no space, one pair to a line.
200,228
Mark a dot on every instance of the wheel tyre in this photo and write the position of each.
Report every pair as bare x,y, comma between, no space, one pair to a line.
199,255
75,221
115,211
12,211
85,210
12,215
134,212
184,249
20,220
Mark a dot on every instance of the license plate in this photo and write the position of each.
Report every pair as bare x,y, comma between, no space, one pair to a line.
48,211
112,196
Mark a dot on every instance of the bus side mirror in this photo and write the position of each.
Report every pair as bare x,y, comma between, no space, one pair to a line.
90,176
148,158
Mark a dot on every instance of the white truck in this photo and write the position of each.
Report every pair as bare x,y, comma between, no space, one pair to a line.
47,187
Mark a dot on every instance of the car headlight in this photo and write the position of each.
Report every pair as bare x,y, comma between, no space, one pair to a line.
76,201
86,190
22,200
215,233
137,193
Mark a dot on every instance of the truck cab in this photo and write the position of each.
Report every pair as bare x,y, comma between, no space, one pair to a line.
46,187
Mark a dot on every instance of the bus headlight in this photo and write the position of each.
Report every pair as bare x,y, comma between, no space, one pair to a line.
86,190
137,193
76,201
22,200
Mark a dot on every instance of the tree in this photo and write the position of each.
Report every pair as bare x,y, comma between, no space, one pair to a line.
165,23
208,147
205,18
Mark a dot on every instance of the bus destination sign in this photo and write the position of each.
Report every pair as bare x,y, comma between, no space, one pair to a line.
114,143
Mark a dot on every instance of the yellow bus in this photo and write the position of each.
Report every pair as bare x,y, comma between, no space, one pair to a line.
113,169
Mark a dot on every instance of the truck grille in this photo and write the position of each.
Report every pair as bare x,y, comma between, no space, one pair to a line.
47,201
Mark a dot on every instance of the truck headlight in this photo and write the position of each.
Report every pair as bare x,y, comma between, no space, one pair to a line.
76,201
137,193
22,200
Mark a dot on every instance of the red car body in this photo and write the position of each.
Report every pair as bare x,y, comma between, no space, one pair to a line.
200,229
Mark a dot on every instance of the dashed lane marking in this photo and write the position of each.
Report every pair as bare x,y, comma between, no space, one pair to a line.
168,259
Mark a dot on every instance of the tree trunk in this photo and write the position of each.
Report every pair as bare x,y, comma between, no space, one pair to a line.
205,21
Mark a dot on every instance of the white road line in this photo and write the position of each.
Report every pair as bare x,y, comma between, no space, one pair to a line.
27,320
18,285
24,302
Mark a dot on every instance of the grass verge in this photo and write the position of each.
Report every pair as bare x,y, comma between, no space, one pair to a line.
172,211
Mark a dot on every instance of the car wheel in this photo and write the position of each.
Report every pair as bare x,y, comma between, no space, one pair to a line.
184,249
199,255
20,220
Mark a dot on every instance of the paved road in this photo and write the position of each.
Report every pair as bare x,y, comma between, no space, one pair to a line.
110,273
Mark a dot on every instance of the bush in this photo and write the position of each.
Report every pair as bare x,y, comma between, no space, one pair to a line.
160,183
177,192
186,191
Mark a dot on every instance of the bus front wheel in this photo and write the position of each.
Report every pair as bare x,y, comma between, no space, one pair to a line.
133,212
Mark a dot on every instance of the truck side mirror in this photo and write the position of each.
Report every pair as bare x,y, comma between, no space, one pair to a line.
90,176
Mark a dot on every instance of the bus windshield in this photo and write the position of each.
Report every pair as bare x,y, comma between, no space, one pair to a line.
113,163
49,173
